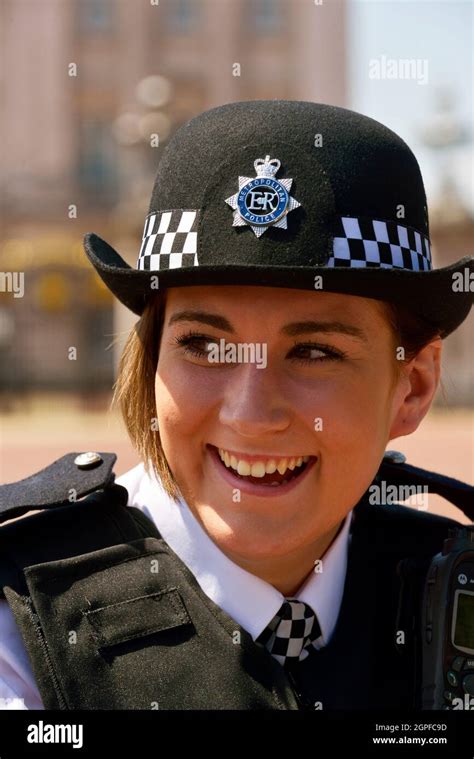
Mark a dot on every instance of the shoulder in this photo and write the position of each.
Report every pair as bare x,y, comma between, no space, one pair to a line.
77,508
396,529
70,479
66,480
411,517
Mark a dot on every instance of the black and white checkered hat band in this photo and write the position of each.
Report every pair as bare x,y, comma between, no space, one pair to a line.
379,244
170,242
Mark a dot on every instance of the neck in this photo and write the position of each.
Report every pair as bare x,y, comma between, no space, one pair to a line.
288,573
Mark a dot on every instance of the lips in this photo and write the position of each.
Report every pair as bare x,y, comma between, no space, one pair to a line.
273,474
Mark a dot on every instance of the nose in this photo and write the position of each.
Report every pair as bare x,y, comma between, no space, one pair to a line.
254,404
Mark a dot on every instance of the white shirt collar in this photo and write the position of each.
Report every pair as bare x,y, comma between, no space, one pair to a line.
248,599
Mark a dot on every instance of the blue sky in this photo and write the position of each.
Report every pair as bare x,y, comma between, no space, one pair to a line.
440,32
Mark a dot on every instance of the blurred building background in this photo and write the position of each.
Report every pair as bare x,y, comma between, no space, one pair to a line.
91,90
97,82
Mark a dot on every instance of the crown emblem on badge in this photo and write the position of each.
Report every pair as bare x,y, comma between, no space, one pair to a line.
263,201
264,167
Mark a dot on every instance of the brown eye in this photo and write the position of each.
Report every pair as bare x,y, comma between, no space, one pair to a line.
194,342
317,353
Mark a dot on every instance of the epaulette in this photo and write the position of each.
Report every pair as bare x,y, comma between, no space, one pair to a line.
395,471
66,480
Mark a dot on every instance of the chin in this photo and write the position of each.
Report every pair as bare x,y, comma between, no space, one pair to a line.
247,538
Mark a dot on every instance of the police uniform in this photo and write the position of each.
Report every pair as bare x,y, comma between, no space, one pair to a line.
102,593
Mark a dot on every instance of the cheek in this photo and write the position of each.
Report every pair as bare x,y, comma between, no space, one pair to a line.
179,414
346,399
184,405
354,414
349,417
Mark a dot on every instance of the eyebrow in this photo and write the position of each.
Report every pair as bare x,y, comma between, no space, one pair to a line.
292,330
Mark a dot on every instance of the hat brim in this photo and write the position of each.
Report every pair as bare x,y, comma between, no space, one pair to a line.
429,294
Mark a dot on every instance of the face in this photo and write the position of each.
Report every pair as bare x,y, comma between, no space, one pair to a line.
315,401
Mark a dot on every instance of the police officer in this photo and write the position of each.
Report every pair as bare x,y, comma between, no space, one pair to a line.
291,326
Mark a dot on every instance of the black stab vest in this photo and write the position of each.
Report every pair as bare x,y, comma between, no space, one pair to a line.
113,619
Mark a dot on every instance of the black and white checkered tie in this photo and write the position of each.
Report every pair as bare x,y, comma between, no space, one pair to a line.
291,632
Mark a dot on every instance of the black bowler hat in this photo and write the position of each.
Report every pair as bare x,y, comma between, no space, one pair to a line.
277,193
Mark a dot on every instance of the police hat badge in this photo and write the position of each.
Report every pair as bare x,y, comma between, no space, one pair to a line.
263,201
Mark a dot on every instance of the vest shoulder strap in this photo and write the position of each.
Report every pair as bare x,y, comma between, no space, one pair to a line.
395,471
64,529
66,480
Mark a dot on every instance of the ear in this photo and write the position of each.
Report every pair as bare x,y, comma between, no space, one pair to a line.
416,389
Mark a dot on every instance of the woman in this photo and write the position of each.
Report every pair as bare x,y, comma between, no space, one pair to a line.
291,326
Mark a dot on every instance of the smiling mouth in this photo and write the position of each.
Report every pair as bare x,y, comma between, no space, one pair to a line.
284,470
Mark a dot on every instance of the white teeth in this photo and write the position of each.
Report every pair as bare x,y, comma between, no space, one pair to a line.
282,466
243,467
258,469
261,468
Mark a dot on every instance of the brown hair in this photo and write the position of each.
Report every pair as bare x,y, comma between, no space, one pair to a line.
134,390
410,331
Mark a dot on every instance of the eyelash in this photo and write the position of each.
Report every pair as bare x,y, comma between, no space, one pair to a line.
187,339
331,353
